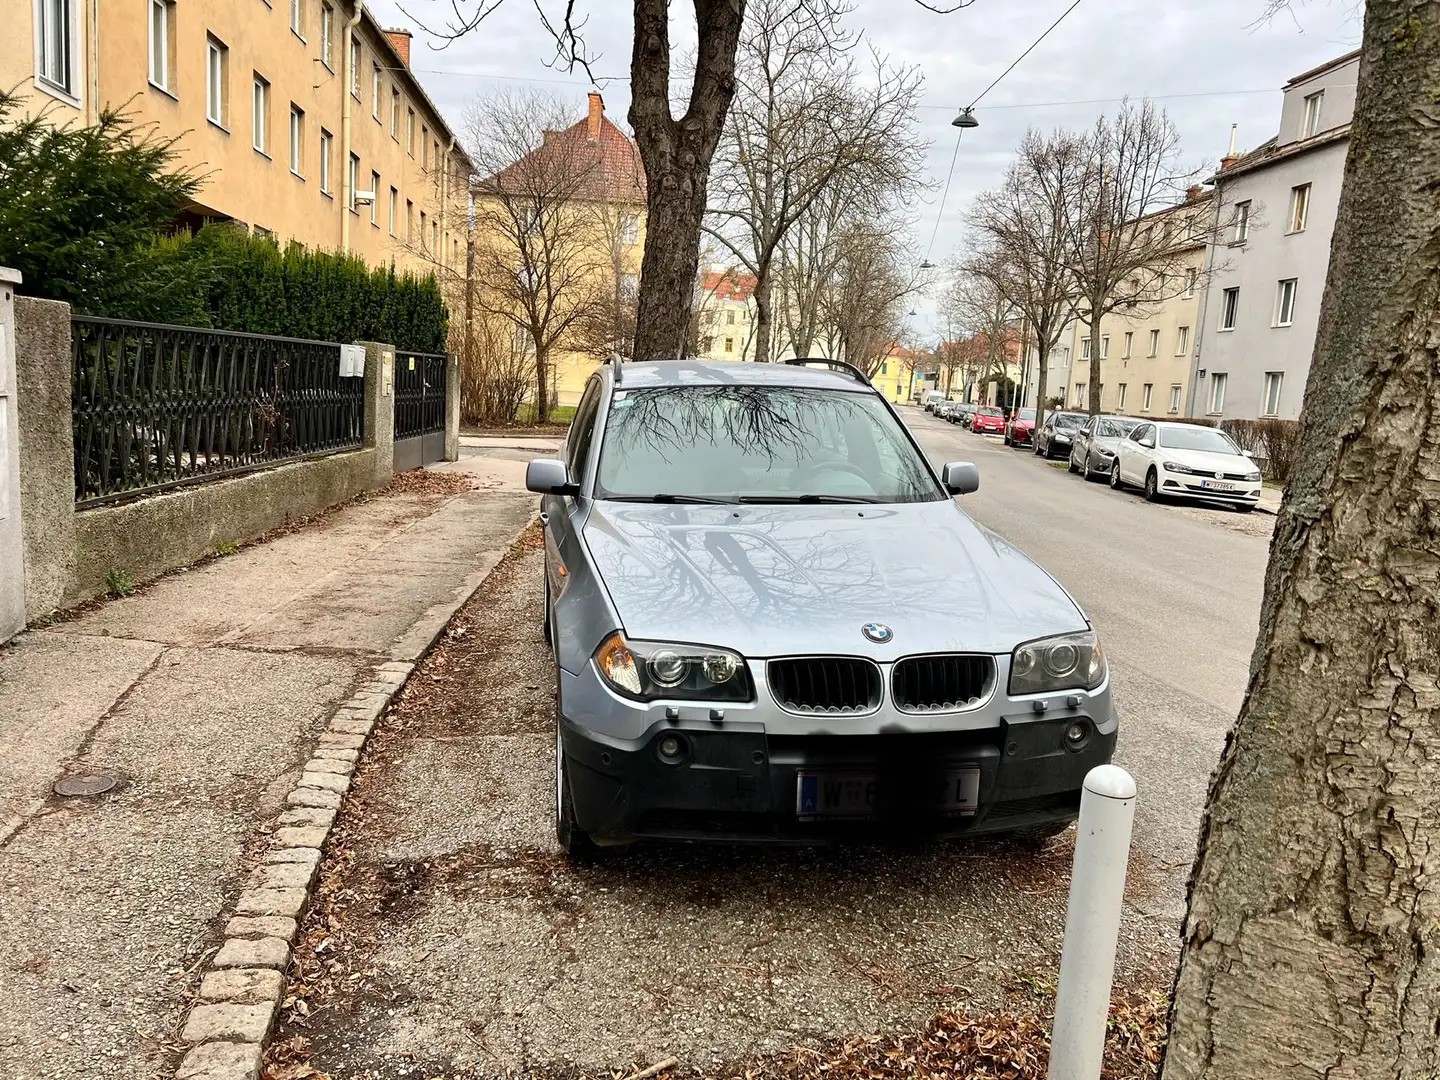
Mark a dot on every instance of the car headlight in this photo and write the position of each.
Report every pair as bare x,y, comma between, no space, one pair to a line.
1171,466
1103,452
1063,662
648,670
1254,477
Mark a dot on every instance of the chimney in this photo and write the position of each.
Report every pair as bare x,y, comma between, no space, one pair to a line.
1193,192
597,111
1231,156
400,40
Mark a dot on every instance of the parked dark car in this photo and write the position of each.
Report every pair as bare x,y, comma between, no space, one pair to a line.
1020,428
1055,435
1092,450
962,414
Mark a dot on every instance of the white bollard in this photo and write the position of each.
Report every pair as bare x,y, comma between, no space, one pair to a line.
1092,924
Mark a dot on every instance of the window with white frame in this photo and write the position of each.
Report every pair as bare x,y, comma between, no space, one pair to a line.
1310,123
1242,223
629,229
217,78
1129,343
1104,346
1147,396
1190,279
1182,341
1229,308
327,35
355,67
1273,382
1174,397
1085,348
326,142
1217,391
1285,302
1299,207
394,208
375,92
54,55
297,140
162,42
375,199
259,113
352,178
1123,387
1079,393
297,18
1154,343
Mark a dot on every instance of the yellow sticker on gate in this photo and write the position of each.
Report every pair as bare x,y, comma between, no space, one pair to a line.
412,363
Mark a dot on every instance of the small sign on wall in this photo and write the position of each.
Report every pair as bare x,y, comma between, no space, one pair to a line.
352,361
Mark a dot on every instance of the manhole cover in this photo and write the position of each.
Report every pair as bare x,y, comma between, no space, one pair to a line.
84,784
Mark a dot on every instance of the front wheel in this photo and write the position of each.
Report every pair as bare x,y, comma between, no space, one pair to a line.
1070,464
1116,483
1152,488
574,841
1244,508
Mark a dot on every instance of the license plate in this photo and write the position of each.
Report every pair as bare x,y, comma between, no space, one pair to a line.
1216,485
854,796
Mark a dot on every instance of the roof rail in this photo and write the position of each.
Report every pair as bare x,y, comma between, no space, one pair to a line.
833,365
615,361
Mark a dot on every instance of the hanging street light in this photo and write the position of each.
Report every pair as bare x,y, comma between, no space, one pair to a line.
966,119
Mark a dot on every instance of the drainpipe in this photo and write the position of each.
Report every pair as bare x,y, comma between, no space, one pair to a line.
345,103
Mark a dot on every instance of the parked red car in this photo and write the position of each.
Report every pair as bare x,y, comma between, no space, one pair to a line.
989,420
1020,431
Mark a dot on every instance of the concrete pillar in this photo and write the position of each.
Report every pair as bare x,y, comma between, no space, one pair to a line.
12,545
380,408
452,408
47,451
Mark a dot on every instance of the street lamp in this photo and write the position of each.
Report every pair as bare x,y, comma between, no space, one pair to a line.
966,119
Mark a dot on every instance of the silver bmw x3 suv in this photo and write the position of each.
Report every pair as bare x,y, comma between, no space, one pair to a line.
773,622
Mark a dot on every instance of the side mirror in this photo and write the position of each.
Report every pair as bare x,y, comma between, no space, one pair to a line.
547,476
960,477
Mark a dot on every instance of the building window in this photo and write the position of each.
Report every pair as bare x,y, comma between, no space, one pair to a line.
1104,346
410,132
297,18
327,35
1079,394
1285,302
629,229
884,368
1217,392
1174,397
217,78
1129,342
1242,222
1299,207
424,146
1149,394
297,140
394,208
435,152
260,113
395,114
353,178
1182,341
409,221
1085,348
375,199
1123,388
730,344
434,237
325,140
1273,381
375,92
1154,342
730,318
1310,125
1229,308
53,62
1190,279
162,37
355,67
422,231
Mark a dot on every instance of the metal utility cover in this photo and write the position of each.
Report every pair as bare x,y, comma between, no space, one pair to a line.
84,784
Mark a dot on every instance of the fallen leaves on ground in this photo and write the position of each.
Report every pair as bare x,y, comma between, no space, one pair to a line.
429,482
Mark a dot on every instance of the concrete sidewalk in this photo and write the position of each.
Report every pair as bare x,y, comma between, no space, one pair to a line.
201,696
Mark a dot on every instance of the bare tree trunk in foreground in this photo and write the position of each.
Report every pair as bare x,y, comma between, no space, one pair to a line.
1312,943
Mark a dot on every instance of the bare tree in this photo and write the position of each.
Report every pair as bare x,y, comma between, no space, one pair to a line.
807,117
1310,944
541,262
1021,225
1117,251
863,309
976,303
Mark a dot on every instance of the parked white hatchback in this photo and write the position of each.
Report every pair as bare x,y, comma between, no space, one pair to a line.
1189,461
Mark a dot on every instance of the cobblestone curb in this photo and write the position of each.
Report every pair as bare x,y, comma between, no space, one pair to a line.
241,991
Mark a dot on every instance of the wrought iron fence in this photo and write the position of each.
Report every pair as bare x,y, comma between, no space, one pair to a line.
419,393
159,407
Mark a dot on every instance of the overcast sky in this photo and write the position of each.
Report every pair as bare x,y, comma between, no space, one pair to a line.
1207,63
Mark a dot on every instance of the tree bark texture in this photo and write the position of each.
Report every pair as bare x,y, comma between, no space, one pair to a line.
1093,390
1312,942
762,332
677,155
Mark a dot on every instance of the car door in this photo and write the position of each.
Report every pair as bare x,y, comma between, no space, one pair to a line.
1080,440
562,515
1126,451
1137,460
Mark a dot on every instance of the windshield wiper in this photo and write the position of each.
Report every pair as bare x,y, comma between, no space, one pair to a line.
805,499
665,497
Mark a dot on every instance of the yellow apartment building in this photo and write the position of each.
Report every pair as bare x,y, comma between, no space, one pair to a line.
302,116
1145,352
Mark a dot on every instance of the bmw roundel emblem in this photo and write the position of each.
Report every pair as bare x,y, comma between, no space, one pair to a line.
877,632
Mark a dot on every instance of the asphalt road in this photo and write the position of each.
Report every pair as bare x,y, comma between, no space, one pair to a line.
451,936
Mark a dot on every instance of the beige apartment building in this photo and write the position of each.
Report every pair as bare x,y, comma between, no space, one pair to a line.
1145,351
302,116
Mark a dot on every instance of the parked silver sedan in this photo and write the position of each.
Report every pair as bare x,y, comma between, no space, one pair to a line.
1093,445
773,622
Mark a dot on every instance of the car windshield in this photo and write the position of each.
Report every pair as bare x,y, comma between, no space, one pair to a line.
732,443
1025,414
990,410
1115,429
1068,420
1196,437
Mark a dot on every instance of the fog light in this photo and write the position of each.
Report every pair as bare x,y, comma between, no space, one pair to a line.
1077,734
671,749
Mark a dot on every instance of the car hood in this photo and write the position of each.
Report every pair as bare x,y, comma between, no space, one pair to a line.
785,580
1207,461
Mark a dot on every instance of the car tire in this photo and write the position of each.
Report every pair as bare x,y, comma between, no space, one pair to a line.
1152,486
1244,508
1116,484
574,841
1070,464
1038,451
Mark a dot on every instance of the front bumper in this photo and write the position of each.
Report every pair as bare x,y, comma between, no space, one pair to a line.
1022,436
1189,485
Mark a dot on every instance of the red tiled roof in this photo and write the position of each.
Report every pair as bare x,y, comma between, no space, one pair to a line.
611,167
727,286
